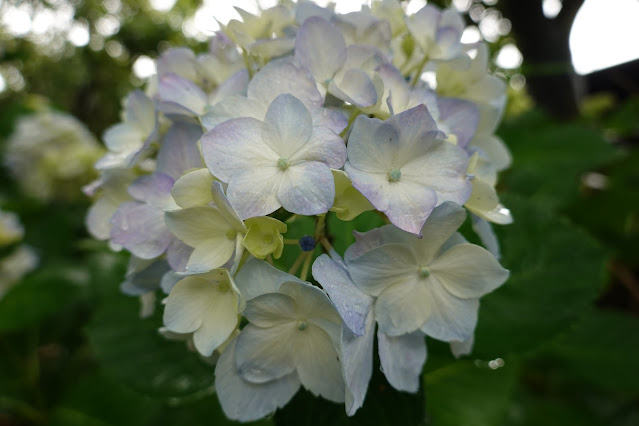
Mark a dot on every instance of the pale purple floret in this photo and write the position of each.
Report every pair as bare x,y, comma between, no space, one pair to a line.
276,78
321,48
402,357
284,161
139,225
405,168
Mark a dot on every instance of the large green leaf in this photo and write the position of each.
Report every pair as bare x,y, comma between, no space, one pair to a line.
384,406
463,393
38,296
132,350
603,349
550,157
556,272
95,400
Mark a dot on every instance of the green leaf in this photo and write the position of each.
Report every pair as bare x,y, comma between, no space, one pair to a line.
534,410
341,232
556,272
384,406
132,350
462,393
37,297
549,157
603,349
95,400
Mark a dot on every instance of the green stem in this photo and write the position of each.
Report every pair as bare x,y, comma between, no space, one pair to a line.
418,74
351,120
291,241
247,64
297,263
307,264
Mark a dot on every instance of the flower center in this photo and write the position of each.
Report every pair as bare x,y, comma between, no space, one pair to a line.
302,325
424,272
394,175
282,163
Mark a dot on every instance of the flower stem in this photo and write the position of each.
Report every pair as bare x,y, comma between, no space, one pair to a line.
297,263
306,266
418,73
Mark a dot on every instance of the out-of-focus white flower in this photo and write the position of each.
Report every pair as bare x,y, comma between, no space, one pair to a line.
13,267
11,229
51,155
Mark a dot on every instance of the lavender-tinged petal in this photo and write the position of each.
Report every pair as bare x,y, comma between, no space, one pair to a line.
145,280
320,47
307,188
257,277
287,125
235,85
261,356
356,87
180,61
374,186
382,267
357,363
334,120
179,152
372,145
153,189
284,76
234,146
323,146
402,359
460,117
140,229
182,92
233,107
403,307
452,318
468,271
318,364
352,304
409,206
178,255
253,192
244,401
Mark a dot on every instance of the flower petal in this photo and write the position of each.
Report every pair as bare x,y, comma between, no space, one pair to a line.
320,47
452,318
357,363
244,401
261,355
383,267
140,229
271,309
468,271
318,364
287,125
236,145
404,307
352,305
257,277
307,188
402,359
253,192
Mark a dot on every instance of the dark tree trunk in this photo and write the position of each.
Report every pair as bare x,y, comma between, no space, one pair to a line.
550,77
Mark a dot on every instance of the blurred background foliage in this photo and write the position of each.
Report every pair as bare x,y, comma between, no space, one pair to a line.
557,345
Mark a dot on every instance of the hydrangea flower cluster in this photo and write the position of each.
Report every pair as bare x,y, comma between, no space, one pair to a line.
305,112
